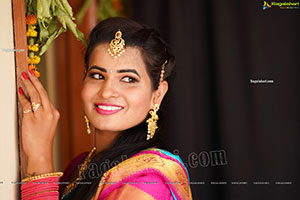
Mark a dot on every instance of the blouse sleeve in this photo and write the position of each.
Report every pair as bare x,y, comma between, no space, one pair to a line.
145,187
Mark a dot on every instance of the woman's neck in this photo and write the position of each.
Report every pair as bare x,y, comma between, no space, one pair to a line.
103,139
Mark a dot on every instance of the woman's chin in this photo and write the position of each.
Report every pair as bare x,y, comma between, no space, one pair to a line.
112,129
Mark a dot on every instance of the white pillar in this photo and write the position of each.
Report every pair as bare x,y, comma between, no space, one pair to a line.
9,155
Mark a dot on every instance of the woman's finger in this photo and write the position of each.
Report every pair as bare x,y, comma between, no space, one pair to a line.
40,89
24,102
32,91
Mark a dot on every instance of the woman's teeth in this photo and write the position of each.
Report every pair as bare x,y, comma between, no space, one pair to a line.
110,108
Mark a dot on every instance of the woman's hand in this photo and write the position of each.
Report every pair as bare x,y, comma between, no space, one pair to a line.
39,124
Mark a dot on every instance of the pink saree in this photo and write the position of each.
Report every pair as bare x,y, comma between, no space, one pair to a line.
152,174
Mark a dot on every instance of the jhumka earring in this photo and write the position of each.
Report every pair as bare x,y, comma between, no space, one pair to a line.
152,121
88,129
117,45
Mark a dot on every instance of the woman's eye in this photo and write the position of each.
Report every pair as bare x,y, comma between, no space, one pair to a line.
96,76
129,79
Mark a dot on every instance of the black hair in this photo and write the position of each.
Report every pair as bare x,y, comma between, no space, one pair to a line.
155,52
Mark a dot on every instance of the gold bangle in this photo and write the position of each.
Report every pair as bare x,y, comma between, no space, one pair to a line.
32,178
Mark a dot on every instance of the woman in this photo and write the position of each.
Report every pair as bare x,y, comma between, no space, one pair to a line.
128,71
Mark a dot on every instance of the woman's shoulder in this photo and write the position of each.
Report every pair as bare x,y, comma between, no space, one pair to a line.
155,166
152,160
151,169
156,157
155,160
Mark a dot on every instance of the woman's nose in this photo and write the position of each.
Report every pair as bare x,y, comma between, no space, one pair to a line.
109,90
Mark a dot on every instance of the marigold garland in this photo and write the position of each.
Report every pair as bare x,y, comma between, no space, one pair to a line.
46,20
31,19
33,48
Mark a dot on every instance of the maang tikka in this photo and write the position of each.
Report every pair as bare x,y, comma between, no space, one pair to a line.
117,45
152,121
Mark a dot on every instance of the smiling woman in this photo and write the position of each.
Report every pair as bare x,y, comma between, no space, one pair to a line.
128,70
119,100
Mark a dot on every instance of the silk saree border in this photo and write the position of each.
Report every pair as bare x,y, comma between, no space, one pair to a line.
167,155
149,160
106,192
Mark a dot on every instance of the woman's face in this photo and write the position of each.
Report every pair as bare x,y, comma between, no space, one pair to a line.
116,92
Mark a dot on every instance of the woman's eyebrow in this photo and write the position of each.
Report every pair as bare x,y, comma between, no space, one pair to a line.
119,71
98,68
129,70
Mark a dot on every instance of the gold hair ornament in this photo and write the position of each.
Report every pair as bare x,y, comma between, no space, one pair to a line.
117,45
162,72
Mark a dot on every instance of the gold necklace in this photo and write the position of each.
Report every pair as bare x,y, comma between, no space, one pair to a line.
83,167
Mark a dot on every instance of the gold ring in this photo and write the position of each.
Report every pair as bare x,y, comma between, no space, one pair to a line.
27,111
35,106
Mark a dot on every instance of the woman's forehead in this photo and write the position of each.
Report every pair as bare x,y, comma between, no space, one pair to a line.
132,57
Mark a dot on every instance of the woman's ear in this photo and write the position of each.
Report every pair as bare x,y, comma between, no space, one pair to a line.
159,94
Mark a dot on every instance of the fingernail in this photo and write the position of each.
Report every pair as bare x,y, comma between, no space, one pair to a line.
31,72
21,91
24,75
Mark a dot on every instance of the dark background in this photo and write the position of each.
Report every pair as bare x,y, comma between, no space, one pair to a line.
219,46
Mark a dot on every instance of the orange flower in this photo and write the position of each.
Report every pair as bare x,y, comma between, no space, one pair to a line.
32,67
37,74
31,19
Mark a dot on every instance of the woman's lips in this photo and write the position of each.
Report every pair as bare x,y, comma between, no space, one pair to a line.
107,109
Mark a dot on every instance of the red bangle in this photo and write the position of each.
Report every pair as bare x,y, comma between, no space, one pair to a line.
41,188
49,180
49,195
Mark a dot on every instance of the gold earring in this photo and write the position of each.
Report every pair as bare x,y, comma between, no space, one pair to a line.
88,129
152,122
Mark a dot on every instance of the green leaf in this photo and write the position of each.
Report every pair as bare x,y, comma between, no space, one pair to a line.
67,7
66,20
43,9
53,26
31,7
61,16
43,33
45,46
48,13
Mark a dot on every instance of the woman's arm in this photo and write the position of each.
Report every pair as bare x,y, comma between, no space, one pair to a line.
39,124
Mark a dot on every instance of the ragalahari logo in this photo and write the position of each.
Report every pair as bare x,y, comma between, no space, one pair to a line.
281,5
266,5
